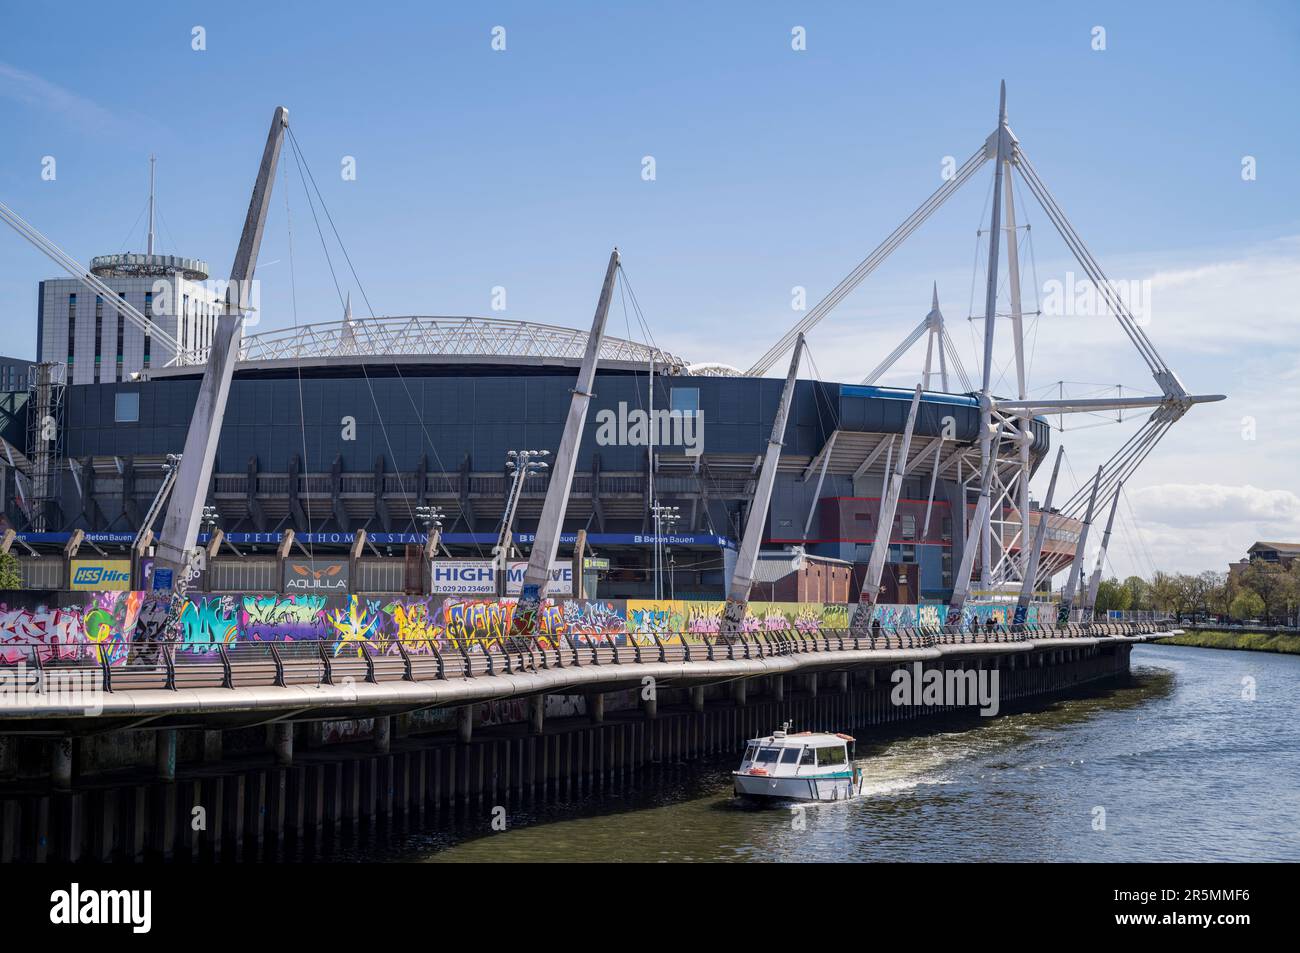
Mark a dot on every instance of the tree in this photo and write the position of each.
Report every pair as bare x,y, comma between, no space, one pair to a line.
1275,588
10,575
1247,605
1293,592
1218,599
1113,594
1163,593
1139,592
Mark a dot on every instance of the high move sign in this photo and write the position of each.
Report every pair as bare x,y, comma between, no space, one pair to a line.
477,577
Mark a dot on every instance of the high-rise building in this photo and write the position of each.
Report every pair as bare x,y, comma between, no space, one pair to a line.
95,338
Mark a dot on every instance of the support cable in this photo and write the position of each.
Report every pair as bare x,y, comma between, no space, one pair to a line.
870,263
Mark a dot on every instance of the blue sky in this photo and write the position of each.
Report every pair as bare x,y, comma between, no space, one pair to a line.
774,168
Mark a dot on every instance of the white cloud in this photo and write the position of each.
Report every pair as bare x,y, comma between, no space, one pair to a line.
32,90
1190,527
1201,504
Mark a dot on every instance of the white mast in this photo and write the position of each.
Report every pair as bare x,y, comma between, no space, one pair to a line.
1003,147
934,342
547,542
961,584
1025,424
1090,601
1076,567
149,249
742,577
1035,552
181,525
885,526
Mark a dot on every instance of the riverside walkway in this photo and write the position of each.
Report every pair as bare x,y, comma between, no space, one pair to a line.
163,687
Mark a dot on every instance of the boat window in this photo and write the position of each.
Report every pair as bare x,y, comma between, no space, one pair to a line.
832,755
768,755
790,755
749,754
809,756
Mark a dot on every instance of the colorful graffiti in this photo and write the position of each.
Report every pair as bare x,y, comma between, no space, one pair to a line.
282,618
208,621
934,616
122,627
52,633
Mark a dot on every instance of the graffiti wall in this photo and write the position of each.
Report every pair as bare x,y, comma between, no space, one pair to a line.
118,627
934,616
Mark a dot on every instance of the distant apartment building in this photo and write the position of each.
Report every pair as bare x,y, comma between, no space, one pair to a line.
1281,555
13,373
97,341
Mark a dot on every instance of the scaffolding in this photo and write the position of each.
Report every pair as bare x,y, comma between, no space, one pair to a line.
46,383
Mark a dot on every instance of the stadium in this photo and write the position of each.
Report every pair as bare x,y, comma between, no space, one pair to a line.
343,432
404,454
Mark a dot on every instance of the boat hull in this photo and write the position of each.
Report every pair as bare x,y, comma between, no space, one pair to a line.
765,787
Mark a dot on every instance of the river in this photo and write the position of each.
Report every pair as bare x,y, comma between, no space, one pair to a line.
1179,763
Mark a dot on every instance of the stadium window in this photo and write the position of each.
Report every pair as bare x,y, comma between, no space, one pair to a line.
684,399
148,338
909,526
126,407
72,327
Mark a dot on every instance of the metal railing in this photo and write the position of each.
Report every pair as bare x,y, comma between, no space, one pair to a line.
177,666
46,572
251,574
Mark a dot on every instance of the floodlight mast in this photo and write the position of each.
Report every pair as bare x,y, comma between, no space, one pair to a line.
181,524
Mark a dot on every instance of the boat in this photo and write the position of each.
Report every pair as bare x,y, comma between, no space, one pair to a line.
798,766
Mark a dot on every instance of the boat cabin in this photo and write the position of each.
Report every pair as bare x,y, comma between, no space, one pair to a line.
803,753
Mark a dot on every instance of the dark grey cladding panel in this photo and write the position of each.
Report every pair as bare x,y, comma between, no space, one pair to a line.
444,417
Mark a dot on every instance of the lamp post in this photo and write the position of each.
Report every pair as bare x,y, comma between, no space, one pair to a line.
522,463
211,517
209,521
663,516
430,517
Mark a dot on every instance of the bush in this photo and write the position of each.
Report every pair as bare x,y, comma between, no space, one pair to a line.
10,575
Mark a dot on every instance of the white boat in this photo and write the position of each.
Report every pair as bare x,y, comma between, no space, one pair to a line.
799,766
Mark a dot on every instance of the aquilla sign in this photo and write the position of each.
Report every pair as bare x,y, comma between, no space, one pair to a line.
316,575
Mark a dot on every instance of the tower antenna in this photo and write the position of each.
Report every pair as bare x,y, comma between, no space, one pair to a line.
152,158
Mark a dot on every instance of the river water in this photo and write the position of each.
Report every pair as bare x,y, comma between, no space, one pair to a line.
1179,763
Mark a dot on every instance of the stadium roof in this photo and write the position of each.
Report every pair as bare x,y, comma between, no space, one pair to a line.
461,339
